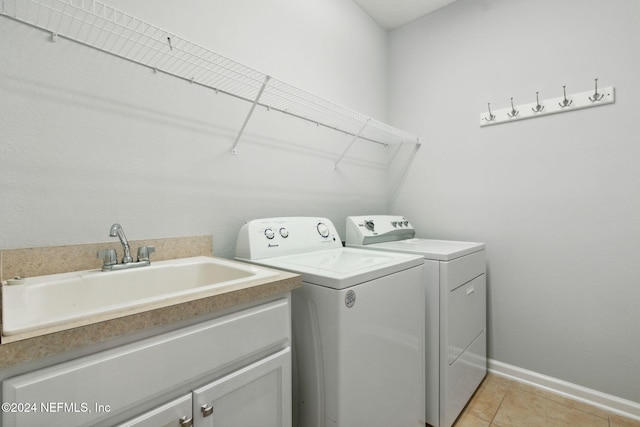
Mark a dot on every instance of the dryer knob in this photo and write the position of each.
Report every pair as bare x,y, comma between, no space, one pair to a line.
323,230
369,225
269,233
284,232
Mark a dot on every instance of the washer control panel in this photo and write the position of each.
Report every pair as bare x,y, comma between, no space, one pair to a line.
271,237
363,230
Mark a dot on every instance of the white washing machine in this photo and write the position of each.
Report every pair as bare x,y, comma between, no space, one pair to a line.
456,301
357,321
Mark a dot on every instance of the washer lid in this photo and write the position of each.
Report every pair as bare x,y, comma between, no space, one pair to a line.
343,267
441,250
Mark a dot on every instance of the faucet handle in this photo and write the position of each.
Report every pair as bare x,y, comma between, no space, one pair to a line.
144,252
108,256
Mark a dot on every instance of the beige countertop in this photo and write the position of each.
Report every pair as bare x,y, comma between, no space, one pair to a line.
31,262
37,344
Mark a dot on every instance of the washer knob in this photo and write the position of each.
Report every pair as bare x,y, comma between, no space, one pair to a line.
284,232
406,223
394,223
269,233
369,225
323,230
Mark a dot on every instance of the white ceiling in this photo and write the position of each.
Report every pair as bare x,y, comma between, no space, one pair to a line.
391,14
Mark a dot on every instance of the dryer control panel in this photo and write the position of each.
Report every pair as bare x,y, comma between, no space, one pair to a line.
364,230
271,237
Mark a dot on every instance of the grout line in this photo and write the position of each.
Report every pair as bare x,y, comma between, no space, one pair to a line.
513,386
500,405
561,403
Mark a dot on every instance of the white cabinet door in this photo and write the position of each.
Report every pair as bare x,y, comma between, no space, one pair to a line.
173,414
73,392
258,395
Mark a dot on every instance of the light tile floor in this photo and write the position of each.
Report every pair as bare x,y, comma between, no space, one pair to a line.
500,402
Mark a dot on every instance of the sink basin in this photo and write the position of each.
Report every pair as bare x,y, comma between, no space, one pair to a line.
46,301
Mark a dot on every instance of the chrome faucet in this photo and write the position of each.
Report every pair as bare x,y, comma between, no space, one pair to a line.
116,230
108,256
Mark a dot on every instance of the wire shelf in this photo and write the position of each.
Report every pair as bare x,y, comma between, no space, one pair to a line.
107,29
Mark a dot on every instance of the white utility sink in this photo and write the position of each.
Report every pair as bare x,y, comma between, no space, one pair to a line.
46,301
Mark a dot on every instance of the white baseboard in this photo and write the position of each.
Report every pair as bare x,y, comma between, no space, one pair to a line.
622,407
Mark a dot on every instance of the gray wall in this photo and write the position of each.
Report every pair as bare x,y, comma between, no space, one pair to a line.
556,198
89,139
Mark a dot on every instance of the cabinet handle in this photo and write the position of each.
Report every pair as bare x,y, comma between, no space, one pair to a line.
186,421
471,290
206,410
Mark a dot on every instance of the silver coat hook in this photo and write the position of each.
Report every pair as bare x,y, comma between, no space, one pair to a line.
513,112
492,117
565,102
538,108
596,96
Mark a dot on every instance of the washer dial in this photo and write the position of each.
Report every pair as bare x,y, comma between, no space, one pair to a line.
323,229
269,233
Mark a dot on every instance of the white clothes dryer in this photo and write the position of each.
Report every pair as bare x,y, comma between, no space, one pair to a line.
455,291
357,323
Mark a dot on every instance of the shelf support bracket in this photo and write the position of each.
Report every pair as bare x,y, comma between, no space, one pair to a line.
246,120
355,138
394,191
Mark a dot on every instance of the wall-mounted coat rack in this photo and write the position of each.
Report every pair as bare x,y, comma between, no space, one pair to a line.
97,25
562,104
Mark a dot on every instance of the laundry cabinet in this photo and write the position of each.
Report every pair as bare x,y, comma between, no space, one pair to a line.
251,396
178,412
234,370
